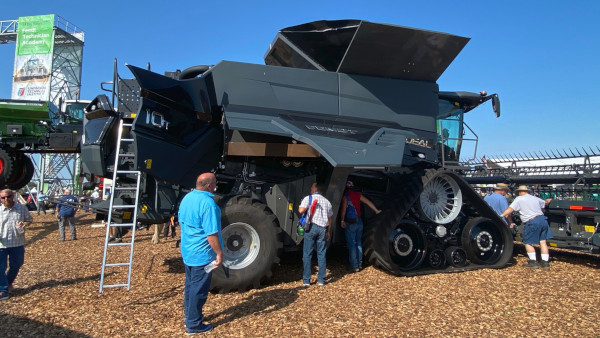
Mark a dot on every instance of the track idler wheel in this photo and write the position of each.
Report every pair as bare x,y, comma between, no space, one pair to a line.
437,259
456,256
486,242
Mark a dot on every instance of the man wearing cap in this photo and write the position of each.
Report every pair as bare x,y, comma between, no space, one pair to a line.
353,225
497,201
536,228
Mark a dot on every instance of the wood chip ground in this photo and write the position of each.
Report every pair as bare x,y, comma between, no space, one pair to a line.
56,295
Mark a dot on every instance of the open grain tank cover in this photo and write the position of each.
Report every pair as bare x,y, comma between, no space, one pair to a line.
365,48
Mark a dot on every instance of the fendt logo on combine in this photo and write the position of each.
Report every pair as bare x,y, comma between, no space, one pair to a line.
333,129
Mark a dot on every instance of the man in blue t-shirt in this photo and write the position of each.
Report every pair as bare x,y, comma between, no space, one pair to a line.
66,207
201,243
497,201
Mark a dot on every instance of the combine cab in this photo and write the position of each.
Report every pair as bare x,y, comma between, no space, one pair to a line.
335,100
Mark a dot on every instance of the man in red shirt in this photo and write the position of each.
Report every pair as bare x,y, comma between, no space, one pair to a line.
352,223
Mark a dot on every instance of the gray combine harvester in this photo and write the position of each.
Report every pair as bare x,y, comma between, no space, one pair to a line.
335,100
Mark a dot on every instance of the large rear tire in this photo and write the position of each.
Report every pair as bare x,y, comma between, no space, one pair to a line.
252,244
25,170
6,167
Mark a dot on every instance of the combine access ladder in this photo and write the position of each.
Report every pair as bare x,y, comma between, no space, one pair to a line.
123,182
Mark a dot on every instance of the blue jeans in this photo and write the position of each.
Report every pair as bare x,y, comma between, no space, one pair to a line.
15,256
197,285
316,235
354,242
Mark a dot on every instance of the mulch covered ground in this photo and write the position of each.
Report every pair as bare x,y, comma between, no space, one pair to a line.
57,295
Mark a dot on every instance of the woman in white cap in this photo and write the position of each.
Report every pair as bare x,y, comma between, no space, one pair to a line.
536,230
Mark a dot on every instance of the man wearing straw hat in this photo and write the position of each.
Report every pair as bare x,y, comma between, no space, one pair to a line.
536,228
497,201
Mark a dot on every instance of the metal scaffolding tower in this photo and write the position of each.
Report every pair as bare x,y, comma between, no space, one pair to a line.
57,171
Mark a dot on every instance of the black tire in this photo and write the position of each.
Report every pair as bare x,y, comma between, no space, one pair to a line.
437,259
6,166
25,170
192,72
252,244
456,256
486,242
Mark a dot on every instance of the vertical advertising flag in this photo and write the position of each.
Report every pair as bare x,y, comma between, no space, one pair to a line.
33,58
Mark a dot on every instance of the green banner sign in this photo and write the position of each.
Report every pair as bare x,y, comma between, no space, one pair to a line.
35,34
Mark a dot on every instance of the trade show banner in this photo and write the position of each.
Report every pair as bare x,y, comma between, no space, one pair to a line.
33,58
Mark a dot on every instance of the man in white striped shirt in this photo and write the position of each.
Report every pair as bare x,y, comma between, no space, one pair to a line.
14,217
318,234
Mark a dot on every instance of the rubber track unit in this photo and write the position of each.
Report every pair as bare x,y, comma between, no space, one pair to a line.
375,238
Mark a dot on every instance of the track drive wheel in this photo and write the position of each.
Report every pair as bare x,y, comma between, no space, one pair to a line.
252,244
486,242
441,199
23,172
399,248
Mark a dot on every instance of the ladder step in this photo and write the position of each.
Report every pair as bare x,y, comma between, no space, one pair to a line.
123,206
120,244
127,171
127,124
118,264
121,224
126,140
126,188
114,286
127,155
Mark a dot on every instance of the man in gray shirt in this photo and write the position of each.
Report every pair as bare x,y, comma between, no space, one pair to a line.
536,228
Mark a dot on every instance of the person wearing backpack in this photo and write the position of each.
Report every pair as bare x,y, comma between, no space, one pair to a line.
353,225
318,233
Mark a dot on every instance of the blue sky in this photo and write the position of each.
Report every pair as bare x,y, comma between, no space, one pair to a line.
541,57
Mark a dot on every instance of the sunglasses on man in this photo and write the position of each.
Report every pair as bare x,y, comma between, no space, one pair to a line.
5,197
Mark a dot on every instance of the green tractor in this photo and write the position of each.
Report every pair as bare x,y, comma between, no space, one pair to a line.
28,127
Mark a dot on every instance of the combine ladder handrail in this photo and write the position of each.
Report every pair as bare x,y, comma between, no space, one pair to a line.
113,207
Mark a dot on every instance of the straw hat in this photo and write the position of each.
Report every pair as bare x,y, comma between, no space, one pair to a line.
501,186
522,188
